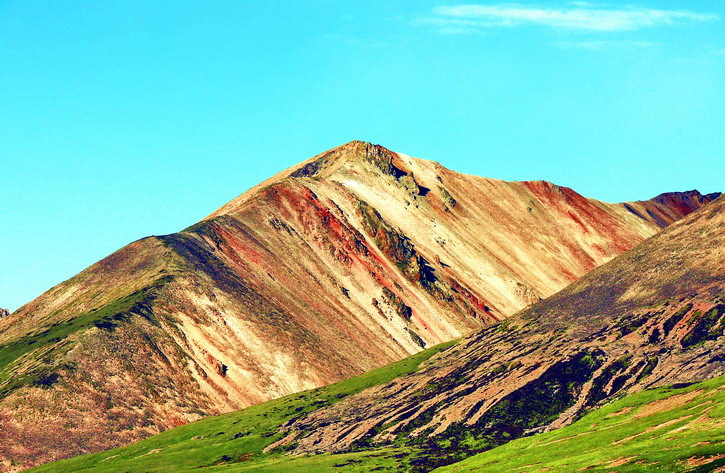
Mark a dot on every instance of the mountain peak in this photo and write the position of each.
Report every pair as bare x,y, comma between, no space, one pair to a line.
356,151
693,195
356,157
669,207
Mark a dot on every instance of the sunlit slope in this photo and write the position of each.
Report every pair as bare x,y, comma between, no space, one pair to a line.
354,259
663,429
237,437
653,316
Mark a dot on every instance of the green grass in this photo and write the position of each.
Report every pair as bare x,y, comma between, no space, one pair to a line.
630,431
662,429
235,441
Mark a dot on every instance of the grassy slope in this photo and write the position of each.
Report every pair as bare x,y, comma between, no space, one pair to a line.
235,441
665,429
653,430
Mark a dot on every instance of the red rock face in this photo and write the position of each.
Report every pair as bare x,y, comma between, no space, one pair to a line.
669,207
653,316
355,258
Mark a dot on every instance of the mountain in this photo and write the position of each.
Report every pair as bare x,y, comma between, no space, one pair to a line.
653,316
639,329
353,259
669,207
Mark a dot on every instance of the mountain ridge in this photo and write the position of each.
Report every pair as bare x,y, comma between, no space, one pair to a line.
357,261
654,316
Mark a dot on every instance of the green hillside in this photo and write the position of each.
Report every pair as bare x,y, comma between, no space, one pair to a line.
235,441
664,429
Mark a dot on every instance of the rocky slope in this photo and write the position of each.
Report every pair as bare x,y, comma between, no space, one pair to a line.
353,259
653,316
387,419
666,429
670,207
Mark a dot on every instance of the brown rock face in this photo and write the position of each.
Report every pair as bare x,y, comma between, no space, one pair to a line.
669,207
353,259
651,317
4,312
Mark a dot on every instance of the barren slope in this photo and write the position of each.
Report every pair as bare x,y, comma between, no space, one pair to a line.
653,316
353,259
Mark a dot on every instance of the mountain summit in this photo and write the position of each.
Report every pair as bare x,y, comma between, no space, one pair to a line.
353,259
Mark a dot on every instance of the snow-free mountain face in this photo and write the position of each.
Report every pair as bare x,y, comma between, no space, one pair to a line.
654,316
353,259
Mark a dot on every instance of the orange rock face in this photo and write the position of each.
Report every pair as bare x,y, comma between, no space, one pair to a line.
355,258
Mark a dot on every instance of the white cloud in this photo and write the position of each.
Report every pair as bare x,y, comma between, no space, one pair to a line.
582,16
597,45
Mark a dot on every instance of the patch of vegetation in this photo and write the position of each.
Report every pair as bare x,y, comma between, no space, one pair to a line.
665,429
672,321
106,318
235,441
503,327
648,366
704,328
447,197
630,323
598,391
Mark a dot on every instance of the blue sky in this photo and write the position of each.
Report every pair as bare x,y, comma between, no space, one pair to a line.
121,119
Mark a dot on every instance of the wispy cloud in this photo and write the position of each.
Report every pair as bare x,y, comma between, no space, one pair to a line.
582,16
598,45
